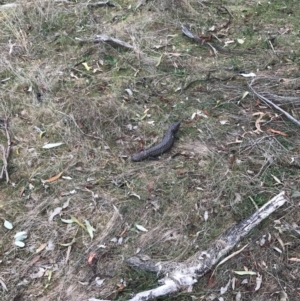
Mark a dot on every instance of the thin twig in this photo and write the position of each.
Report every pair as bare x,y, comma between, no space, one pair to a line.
213,49
80,130
4,168
6,152
269,102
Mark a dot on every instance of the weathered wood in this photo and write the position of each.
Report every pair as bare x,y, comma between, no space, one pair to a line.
183,275
106,39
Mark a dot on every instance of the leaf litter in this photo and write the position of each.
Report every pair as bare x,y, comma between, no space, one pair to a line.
183,137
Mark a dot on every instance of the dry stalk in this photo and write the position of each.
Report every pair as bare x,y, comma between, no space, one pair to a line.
5,152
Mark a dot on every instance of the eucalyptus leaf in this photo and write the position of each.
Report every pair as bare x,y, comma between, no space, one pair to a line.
67,221
89,229
20,236
20,244
8,225
242,273
52,145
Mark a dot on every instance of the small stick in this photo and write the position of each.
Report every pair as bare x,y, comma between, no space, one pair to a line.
4,168
106,39
77,126
269,102
6,152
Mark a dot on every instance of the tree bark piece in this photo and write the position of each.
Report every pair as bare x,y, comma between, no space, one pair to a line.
181,276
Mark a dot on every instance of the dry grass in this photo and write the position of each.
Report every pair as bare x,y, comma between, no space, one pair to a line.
221,166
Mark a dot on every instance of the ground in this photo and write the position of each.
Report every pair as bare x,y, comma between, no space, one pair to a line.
104,102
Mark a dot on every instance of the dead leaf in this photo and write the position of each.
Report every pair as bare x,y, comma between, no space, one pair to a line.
159,60
182,172
49,274
276,179
22,191
242,273
86,66
136,195
251,74
258,282
276,132
198,113
283,296
121,287
19,243
68,244
51,145
141,228
294,259
92,258
55,212
66,203
34,260
53,178
233,283
258,121
123,232
67,221
277,249
4,287
68,253
150,187
244,94
229,256
8,225
75,220
211,281
224,289
38,274
89,228
41,248
99,281
155,205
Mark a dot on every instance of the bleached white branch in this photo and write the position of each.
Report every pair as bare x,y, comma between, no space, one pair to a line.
101,3
183,275
106,39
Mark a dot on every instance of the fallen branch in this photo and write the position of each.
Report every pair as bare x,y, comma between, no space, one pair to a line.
270,103
282,99
181,276
106,39
101,3
5,152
